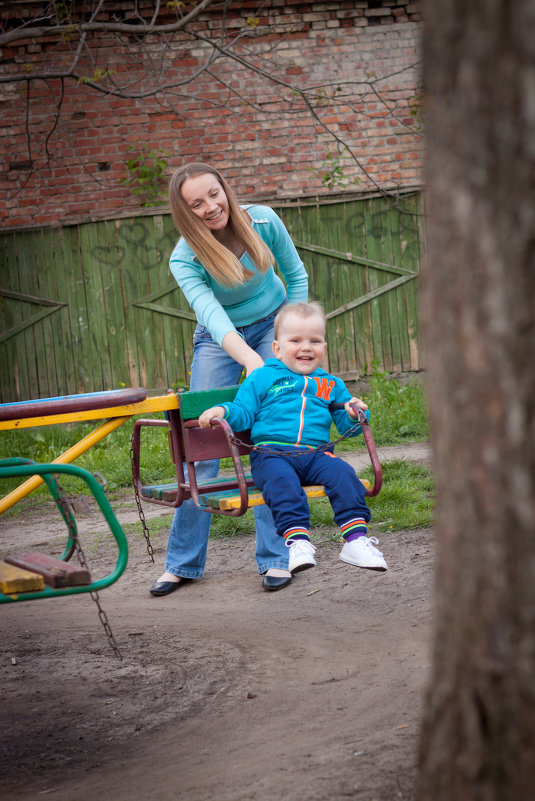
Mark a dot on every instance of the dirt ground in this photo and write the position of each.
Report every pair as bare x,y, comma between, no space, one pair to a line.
225,692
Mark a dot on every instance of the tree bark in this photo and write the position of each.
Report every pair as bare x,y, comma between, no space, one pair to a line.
478,734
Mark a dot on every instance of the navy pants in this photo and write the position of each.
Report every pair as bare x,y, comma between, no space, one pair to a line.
280,475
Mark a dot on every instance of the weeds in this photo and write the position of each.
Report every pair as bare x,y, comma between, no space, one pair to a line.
146,176
398,412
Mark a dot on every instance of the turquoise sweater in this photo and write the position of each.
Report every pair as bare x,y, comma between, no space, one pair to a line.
221,308
281,406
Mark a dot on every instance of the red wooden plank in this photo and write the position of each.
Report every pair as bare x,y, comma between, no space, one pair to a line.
209,443
55,572
71,403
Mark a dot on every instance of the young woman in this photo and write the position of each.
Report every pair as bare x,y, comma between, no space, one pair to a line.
223,263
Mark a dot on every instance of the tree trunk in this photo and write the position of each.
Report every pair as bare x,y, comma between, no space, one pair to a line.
478,735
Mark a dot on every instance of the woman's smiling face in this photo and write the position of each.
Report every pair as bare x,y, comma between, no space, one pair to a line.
207,200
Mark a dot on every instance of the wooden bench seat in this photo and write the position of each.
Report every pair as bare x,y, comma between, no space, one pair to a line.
55,572
224,500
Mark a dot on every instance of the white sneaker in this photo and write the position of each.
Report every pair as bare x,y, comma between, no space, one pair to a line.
301,556
363,553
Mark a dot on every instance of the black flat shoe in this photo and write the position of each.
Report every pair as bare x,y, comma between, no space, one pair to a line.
276,582
165,587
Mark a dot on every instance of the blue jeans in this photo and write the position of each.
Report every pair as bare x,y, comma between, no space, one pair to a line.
280,474
188,538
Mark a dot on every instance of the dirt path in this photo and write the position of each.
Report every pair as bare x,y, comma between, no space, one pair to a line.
225,692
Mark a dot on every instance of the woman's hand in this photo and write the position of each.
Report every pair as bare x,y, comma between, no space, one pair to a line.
253,362
209,414
353,412
240,351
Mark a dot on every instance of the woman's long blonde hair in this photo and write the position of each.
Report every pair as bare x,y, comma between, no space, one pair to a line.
215,257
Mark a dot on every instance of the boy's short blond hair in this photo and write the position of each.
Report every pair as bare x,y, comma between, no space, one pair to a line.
301,310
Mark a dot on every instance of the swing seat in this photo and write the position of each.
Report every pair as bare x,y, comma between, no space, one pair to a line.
190,444
35,576
55,572
225,499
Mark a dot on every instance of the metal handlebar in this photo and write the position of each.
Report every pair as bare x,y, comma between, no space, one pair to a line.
370,444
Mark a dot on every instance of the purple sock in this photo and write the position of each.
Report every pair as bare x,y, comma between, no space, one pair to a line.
355,536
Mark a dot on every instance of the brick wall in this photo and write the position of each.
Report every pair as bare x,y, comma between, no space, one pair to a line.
360,55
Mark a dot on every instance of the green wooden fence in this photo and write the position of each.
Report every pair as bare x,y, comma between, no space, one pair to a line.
93,306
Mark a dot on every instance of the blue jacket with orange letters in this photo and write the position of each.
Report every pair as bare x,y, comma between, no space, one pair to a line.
287,408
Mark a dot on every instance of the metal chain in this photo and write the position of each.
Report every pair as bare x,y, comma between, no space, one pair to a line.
302,451
146,532
73,532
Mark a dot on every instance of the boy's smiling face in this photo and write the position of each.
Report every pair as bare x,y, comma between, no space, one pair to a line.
301,343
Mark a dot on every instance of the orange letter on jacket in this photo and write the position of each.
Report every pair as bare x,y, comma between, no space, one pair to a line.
324,387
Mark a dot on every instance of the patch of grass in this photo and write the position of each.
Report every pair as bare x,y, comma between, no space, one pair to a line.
398,413
224,527
406,500
156,526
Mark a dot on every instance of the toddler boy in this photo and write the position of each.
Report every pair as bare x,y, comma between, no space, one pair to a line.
288,406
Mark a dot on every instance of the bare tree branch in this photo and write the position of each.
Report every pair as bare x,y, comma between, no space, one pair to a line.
139,29
150,77
304,95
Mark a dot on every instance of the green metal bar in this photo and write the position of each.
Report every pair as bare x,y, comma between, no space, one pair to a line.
105,508
52,485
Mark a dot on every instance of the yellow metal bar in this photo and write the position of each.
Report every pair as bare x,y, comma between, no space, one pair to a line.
161,403
68,456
